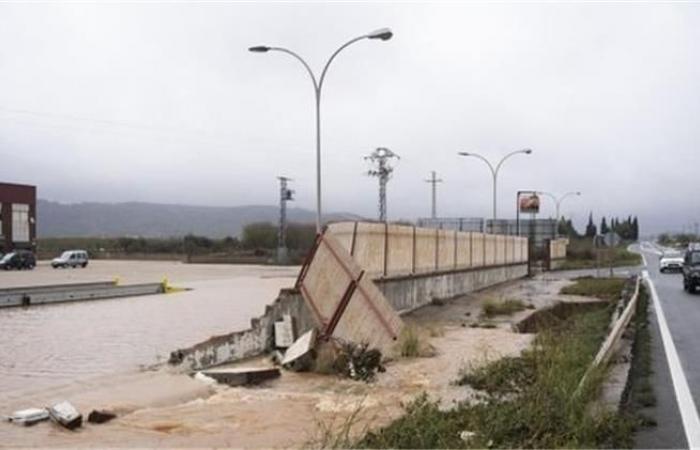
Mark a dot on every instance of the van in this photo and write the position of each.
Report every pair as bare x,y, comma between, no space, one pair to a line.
18,259
71,258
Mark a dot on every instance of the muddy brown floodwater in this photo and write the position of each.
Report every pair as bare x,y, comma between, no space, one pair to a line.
43,346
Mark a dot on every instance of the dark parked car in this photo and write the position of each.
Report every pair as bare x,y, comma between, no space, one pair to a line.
691,268
19,259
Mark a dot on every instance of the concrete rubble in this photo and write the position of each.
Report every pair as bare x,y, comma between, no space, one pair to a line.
242,376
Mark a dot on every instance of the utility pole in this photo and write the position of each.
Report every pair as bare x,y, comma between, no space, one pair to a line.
383,171
434,181
285,196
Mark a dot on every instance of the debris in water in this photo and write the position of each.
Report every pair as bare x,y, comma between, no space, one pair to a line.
242,375
199,376
284,332
358,362
102,416
65,414
29,416
299,355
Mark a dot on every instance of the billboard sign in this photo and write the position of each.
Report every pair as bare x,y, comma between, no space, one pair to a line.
529,202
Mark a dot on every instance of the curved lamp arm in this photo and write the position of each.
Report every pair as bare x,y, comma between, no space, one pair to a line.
476,155
317,86
568,194
550,195
526,151
335,53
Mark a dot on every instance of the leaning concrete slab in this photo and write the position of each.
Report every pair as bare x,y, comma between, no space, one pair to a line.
300,349
345,303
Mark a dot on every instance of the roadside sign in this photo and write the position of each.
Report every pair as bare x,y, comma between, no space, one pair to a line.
612,239
529,202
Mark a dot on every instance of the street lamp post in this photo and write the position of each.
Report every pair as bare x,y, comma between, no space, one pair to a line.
557,202
494,170
383,34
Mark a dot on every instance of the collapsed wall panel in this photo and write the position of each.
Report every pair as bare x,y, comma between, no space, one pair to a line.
343,298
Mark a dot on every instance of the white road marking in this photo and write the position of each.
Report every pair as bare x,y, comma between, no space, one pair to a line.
686,404
644,259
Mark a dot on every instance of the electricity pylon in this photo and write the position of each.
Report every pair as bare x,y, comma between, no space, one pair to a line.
383,171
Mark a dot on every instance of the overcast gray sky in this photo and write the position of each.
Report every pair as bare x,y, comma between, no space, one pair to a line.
163,103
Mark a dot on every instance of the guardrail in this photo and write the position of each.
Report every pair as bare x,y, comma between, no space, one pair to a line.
608,348
59,293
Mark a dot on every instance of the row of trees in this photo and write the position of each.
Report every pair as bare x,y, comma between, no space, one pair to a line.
627,229
259,238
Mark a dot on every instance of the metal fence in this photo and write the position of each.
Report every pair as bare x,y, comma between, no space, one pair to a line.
538,230
454,223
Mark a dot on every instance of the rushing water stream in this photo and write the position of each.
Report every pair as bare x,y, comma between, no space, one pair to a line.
53,344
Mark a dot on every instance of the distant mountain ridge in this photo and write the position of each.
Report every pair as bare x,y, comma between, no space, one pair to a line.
159,220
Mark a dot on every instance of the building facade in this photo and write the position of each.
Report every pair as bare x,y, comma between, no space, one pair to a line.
17,217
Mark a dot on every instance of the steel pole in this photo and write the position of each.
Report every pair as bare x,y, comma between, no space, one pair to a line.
318,159
495,196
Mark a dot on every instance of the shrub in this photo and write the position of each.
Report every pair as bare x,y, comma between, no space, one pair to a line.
501,308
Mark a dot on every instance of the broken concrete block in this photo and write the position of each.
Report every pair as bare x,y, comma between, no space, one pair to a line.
102,416
66,414
241,376
284,332
29,416
298,356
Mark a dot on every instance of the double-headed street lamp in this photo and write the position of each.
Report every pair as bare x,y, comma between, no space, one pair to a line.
557,201
383,34
494,170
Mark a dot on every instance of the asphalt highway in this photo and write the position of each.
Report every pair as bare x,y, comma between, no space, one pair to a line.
675,320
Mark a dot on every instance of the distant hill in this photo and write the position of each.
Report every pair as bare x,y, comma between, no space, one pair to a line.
158,220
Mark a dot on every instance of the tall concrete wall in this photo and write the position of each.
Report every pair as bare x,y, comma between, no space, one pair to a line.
384,250
410,266
407,293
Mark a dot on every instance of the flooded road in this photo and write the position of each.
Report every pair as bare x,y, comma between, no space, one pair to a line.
55,344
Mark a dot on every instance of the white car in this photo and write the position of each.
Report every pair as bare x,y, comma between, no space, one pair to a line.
71,258
671,262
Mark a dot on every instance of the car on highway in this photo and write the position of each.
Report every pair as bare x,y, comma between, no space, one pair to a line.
18,260
71,258
691,268
671,262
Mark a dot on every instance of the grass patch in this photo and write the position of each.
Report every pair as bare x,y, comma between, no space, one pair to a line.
413,341
580,254
507,307
524,402
603,288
